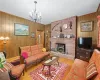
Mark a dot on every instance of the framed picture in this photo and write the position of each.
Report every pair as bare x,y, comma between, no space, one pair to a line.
32,35
21,29
86,26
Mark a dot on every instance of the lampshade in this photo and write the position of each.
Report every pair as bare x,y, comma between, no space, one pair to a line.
2,38
6,38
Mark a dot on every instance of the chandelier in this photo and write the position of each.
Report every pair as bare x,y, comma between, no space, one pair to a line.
35,15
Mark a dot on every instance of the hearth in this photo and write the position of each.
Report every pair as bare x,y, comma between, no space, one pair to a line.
61,48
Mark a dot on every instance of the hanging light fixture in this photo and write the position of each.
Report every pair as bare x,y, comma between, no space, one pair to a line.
35,15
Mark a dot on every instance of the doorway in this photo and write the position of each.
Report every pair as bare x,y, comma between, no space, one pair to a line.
40,37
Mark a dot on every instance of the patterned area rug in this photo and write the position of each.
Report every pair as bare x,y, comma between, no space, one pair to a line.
57,72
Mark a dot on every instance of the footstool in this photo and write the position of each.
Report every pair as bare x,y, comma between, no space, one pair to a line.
16,71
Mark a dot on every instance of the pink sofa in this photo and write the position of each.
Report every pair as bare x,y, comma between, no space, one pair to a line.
78,70
35,54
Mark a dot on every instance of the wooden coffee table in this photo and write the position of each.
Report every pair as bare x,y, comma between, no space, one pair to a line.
52,60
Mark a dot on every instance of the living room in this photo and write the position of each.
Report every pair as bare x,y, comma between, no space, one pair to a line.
53,44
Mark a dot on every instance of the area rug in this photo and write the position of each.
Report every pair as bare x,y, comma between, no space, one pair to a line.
57,72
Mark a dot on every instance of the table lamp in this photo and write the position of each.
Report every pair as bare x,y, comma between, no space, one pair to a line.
4,39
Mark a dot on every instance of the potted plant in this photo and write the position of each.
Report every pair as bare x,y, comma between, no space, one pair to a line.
1,63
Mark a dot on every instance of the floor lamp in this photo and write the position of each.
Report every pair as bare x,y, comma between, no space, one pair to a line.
4,39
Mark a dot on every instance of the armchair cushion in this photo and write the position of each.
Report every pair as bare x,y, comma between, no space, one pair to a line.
95,55
17,70
79,68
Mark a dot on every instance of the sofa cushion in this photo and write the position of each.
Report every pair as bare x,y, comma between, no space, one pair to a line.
17,70
96,59
40,46
72,76
26,49
79,68
35,52
91,71
98,64
35,49
31,59
95,55
39,56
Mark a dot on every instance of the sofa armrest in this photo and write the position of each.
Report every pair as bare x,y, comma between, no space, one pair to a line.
22,59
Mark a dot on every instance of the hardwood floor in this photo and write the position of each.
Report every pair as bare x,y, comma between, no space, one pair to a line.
64,60
27,76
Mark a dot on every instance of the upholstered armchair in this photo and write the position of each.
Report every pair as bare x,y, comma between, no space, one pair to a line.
10,71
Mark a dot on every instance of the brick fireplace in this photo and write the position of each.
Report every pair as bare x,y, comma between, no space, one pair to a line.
63,36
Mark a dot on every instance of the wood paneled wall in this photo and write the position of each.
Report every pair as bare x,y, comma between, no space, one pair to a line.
47,36
7,29
85,18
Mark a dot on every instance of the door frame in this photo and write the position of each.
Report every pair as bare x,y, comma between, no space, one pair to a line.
43,35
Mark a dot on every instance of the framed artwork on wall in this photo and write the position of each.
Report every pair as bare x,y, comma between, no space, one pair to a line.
32,35
86,26
21,29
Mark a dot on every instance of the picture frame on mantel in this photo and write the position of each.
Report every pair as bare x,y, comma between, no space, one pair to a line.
86,26
21,29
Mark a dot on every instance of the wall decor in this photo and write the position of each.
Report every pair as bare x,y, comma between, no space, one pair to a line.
32,34
86,26
21,29
65,26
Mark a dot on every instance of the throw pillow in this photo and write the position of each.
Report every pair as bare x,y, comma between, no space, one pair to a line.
25,55
91,71
44,49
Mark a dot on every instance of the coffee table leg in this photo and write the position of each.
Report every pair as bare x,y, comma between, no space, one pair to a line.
49,70
43,67
58,63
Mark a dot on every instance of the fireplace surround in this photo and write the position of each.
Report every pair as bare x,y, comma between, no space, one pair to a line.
61,47
63,36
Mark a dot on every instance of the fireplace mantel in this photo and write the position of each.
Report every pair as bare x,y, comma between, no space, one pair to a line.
63,40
